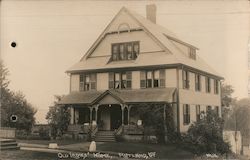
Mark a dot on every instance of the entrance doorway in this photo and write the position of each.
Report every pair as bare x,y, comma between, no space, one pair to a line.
109,117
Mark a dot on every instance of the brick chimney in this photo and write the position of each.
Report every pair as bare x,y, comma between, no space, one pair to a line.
151,12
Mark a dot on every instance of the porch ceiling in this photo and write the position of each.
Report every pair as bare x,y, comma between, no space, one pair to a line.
149,95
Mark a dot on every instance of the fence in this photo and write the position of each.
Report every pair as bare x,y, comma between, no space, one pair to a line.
6,132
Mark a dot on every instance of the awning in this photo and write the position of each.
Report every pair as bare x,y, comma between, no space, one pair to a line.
149,95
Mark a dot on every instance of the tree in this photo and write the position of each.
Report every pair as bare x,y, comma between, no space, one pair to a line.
58,118
152,117
14,103
205,135
239,118
226,99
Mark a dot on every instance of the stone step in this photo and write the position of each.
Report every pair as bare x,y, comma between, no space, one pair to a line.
9,144
6,144
105,136
7,140
9,147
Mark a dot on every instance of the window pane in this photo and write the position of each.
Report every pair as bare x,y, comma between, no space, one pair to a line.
129,75
87,78
111,84
162,73
111,76
156,83
117,76
143,83
129,84
135,50
93,77
81,77
143,75
149,75
157,74
122,52
93,85
149,83
129,51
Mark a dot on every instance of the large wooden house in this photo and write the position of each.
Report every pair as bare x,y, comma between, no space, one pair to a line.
136,63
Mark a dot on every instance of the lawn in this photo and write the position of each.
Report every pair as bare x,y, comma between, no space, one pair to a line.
27,155
162,151
46,142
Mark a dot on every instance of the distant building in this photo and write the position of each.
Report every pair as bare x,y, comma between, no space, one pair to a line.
136,63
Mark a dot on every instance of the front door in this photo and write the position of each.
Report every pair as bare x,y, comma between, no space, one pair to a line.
104,117
115,116
109,117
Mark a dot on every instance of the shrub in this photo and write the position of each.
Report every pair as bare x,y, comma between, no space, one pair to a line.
44,133
205,135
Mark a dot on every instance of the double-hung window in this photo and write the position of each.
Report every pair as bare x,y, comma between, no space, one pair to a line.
87,82
186,114
120,80
217,111
152,78
216,86
208,85
185,79
198,112
209,108
197,82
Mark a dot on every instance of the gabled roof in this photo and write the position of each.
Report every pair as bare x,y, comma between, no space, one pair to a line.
170,54
155,95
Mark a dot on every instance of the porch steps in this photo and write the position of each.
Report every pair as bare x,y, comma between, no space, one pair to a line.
105,136
7,144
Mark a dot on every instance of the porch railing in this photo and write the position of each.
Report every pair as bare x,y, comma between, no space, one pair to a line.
119,130
94,130
133,129
79,128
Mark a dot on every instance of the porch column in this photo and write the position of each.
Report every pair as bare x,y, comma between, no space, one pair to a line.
129,107
122,107
164,113
164,117
72,118
90,116
96,110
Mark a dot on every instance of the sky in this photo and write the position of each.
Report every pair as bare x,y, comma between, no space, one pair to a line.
52,35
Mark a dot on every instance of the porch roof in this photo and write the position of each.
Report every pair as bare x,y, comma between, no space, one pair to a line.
149,95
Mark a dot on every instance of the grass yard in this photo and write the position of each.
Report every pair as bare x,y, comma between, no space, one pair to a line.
46,142
26,155
162,151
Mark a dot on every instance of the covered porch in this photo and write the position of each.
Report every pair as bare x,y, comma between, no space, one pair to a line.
116,110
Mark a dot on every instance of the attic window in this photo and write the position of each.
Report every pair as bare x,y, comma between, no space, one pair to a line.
125,51
192,53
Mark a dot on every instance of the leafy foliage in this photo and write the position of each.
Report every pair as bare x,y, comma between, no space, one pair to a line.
152,117
14,103
205,136
226,99
239,118
58,118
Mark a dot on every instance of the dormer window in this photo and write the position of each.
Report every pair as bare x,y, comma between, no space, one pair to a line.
125,51
192,53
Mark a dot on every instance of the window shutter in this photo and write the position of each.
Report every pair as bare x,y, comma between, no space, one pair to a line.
162,77
81,82
111,80
129,79
143,79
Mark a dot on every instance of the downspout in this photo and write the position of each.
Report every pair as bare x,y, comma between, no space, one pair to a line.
177,98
